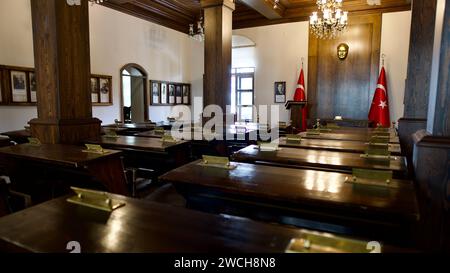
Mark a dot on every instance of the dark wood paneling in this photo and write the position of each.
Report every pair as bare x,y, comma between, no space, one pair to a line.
61,52
218,33
417,88
441,122
406,129
345,88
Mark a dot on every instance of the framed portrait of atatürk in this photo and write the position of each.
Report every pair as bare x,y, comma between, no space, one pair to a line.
186,94
171,94
164,93
280,92
105,90
179,94
155,86
33,88
19,88
95,90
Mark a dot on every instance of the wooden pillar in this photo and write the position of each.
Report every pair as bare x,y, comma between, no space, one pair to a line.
62,61
218,44
432,148
417,88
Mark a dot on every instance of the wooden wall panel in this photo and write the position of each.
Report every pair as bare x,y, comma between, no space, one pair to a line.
417,88
345,88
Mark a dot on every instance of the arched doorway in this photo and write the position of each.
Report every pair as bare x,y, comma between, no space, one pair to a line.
133,93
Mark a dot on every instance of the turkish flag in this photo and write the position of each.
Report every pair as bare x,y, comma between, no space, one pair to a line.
300,95
379,111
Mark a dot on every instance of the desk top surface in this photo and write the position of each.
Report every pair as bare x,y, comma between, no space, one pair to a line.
335,145
139,143
137,227
354,136
131,125
300,187
320,159
69,155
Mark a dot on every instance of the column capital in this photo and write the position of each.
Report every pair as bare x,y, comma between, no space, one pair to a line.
215,3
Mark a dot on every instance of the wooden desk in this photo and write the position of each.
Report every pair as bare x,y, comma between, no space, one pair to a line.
364,137
131,128
320,160
139,227
148,152
20,136
27,163
336,145
274,194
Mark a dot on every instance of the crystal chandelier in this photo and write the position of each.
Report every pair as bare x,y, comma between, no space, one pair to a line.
199,35
334,20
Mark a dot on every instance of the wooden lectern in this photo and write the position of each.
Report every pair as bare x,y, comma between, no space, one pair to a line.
296,113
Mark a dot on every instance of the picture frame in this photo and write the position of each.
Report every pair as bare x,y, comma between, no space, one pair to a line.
105,90
171,94
280,92
156,92
33,86
179,94
95,87
19,86
164,93
186,94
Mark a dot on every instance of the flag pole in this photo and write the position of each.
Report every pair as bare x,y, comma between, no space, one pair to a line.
383,56
302,61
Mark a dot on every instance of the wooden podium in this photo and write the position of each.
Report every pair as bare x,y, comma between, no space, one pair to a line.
296,113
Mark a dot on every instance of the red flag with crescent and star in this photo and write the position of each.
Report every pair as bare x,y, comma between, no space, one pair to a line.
379,111
300,95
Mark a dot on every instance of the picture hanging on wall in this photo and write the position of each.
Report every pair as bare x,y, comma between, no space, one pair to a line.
280,92
19,86
171,94
163,93
155,93
94,90
33,87
186,94
179,94
105,90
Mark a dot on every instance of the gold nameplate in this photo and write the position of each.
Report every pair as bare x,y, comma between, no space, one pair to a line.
311,132
159,131
268,147
378,157
282,125
94,149
111,133
217,162
314,242
34,141
382,135
94,199
168,139
293,139
371,178
376,139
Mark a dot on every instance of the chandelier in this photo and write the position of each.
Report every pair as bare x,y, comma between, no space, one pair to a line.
198,35
334,20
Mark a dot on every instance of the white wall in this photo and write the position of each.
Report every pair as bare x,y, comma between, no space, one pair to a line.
278,53
116,39
395,34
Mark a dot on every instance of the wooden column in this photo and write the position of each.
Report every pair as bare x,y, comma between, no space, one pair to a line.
432,148
62,61
218,43
417,87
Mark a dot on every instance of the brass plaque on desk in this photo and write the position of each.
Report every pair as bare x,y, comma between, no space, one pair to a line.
168,139
94,149
159,131
293,139
217,162
94,199
371,178
268,146
377,139
314,242
311,132
111,133
34,141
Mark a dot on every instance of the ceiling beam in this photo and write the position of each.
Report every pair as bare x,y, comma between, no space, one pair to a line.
267,8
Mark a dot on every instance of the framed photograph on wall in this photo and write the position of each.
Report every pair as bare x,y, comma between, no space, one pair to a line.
179,94
155,92
164,93
33,88
280,92
19,88
94,90
105,90
171,94
186,94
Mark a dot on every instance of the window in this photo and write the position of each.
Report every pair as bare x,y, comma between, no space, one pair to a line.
242,93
